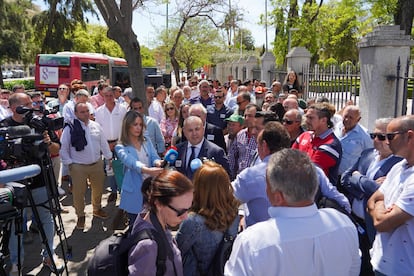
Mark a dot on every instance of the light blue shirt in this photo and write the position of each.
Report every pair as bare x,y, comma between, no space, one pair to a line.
353,143
153,131
250,188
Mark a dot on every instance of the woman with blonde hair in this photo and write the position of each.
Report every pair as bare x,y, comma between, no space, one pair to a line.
214,211
169,124
140,160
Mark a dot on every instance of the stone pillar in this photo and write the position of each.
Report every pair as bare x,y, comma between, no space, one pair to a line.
379,52
268,63
297,59
251,63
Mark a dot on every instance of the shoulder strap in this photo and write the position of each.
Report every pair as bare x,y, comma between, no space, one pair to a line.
161,255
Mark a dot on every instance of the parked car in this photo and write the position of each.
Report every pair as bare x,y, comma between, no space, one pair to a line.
7,74
18,73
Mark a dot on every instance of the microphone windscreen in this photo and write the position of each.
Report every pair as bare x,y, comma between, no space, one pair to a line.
22,109
19,173
18,131
171,156
195,164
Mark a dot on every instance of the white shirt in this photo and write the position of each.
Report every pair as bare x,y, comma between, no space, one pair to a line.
96,143
393,252
297,241
196,150
156,111
111,122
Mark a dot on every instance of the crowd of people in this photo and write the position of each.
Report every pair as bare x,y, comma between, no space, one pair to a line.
260,163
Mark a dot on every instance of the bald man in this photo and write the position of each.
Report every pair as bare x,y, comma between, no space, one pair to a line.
354,138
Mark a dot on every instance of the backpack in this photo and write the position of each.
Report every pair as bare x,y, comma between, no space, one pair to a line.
222,254
111,255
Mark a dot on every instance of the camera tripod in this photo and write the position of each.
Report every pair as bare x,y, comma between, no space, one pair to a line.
48,199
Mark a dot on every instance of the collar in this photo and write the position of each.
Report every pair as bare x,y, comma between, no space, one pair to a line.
198,146
324,134
292,212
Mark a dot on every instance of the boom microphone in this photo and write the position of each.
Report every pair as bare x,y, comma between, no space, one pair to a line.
16,131
19,173
23,110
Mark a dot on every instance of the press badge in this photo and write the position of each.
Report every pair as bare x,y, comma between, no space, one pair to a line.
178,163
210,137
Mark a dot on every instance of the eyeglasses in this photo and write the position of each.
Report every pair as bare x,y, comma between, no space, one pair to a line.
169,108
391,135
380,136
62,88
288,122
218,97
179,212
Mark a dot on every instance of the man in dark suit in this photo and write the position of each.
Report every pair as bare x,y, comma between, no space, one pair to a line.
211,132
197,146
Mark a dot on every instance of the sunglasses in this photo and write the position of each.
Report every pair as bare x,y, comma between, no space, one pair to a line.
169,108
179,212
391,135
218,97
380,136
288,122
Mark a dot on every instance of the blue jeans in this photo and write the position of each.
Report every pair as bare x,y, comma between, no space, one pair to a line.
40,197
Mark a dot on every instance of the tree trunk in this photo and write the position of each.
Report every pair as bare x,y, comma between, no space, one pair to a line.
129,44
404,15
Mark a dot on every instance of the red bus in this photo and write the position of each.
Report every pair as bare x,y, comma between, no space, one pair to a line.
63,67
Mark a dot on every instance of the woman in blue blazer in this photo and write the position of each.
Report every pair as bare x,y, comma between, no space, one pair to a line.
140,160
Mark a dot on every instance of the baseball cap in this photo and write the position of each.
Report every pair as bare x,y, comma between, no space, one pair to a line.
235,118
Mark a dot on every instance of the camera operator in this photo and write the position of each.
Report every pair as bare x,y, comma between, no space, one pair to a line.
37,187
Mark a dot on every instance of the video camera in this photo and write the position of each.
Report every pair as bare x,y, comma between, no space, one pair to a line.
41,123
19,145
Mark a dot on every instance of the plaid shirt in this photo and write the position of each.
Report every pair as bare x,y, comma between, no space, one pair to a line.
241,152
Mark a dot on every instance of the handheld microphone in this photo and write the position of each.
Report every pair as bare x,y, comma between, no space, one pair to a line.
170,156
20,173
195,164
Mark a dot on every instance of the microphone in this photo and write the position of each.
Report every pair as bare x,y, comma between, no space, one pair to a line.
195,164
170,156
23,110
20,173
16,131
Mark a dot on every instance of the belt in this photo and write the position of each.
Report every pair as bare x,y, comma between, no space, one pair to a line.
91,164
112,141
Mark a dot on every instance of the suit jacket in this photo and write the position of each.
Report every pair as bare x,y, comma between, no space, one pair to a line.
360,186
208,150
213,134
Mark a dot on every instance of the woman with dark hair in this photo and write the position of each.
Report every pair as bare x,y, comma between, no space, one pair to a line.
169,198
292,83
140,160
169,124
214,210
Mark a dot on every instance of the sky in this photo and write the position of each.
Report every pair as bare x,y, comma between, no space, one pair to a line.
149,22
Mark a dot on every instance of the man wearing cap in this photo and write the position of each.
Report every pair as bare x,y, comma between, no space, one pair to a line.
260,95
234,125
127,95
81,96
218,113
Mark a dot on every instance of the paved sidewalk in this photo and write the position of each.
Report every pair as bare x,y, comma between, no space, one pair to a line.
81,242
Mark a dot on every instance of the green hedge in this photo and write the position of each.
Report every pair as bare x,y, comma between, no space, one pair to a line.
28,84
